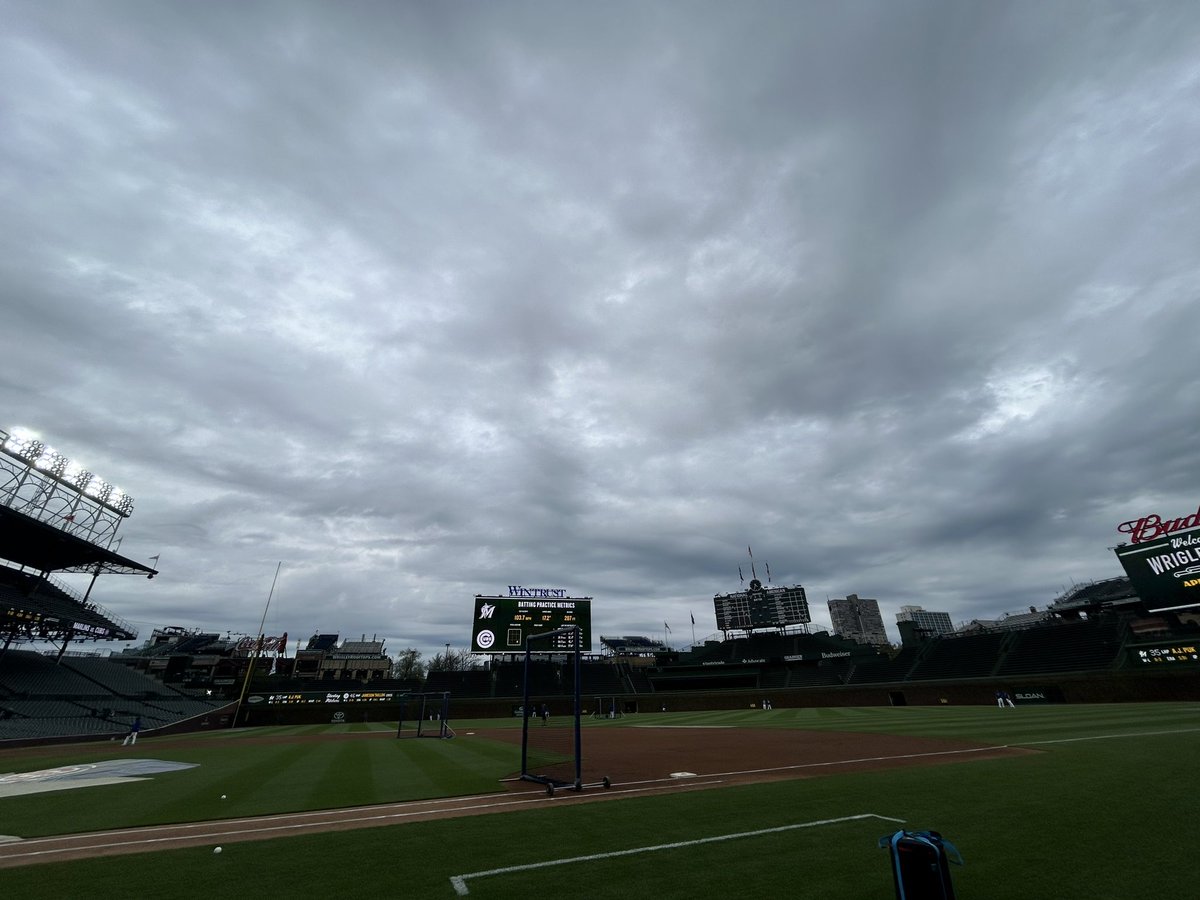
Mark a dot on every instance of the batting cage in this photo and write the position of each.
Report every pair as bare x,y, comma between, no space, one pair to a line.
425,715
605,707
551,736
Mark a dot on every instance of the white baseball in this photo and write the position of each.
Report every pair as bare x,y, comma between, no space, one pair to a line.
216,849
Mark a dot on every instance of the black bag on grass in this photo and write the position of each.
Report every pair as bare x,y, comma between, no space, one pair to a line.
921,864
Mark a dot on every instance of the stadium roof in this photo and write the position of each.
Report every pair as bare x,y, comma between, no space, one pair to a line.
45,548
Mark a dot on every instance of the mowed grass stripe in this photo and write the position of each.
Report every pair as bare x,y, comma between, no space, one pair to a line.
259,779
986,723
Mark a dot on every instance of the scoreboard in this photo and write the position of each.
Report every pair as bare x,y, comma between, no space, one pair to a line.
501,624
762,607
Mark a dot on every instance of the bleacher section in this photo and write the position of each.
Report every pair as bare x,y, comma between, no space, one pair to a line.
83,696
882,670
969,656
48,601
1065,647
600,678
816,676
27,674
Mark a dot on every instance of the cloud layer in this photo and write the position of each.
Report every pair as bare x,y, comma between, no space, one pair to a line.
425,300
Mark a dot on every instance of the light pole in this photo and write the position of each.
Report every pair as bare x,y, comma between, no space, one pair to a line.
446,658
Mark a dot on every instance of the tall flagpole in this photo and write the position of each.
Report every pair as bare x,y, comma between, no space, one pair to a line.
258,645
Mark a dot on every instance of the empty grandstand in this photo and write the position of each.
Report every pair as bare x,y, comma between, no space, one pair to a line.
86,697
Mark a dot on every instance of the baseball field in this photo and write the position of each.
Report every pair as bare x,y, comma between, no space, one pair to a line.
1082,801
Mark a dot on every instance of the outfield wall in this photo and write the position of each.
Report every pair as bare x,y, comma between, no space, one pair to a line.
1102,687
1105,687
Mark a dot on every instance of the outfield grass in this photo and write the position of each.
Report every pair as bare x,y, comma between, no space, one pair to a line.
1105,810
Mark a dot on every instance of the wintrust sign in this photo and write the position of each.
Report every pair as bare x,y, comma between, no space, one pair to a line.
1147,528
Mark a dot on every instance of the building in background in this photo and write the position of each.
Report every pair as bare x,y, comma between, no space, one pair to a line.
325,659
918,625
857,619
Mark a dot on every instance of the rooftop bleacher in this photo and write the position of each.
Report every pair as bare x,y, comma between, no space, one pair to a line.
1096,593
633,645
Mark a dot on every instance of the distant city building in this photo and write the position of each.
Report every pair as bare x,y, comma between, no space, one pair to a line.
917,623
857,619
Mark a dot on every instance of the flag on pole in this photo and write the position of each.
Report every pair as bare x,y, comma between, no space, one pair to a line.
751,552
768,565
693,618
666,626
741,577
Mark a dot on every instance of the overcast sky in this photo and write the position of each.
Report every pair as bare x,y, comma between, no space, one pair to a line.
423,300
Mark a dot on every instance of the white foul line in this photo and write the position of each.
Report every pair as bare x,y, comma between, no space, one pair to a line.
26,850
459,882
1106,737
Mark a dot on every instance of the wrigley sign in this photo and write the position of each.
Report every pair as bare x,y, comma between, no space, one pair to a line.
1162,559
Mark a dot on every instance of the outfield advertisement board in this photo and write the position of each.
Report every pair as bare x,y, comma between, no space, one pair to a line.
1165,571
301,698
501,624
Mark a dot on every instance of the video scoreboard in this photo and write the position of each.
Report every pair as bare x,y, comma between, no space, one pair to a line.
760,607
501,624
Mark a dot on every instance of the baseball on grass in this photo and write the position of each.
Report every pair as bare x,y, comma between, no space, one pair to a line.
216,849
222,796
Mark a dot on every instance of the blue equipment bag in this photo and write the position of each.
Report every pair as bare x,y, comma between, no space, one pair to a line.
921,864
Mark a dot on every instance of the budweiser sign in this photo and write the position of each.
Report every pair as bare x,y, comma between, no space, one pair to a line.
1147,528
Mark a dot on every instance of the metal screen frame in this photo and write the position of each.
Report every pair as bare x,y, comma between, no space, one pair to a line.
426,729
550,782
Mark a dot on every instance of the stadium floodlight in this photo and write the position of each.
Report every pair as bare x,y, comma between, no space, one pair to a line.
99,489
78,476
23,445
52,462
35,453
121,502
